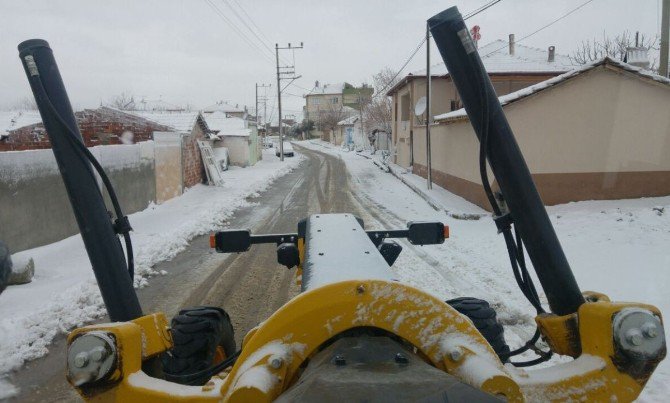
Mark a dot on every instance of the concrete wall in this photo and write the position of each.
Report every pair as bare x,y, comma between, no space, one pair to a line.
168,160
602,135
238,149
34,208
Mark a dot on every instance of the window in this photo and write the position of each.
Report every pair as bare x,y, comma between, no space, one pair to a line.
404,108
316,101
335,100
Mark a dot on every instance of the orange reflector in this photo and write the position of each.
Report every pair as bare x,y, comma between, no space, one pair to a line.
212,241
446,231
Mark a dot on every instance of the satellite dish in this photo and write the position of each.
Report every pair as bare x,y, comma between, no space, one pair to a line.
420,106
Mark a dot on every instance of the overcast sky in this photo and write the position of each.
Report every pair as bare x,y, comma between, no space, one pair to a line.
185,52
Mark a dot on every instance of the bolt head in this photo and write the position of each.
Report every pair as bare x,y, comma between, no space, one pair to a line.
456,354
81,360
634,336
276,363
360,289
649,330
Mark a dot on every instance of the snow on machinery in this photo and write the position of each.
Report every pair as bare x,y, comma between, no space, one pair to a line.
353,333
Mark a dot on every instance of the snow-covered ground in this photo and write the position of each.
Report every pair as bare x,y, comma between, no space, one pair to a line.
64,293
619,248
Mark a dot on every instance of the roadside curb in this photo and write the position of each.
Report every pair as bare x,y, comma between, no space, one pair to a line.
396,171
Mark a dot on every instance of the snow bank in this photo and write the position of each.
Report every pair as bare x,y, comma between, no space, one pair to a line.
64,294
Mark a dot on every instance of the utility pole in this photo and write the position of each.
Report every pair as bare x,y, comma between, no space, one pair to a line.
264,99
665,36
429,165
288,74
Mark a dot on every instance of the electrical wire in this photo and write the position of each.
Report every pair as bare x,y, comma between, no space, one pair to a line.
420,45
480,9
543,27
237,30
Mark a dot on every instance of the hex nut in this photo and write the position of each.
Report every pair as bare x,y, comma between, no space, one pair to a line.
634,336
81,359
649,330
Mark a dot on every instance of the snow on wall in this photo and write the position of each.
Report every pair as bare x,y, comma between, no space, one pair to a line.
18,166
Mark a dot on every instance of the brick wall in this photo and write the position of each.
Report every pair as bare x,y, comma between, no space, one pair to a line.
192,165
100,126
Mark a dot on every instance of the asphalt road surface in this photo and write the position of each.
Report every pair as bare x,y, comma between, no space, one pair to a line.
249,286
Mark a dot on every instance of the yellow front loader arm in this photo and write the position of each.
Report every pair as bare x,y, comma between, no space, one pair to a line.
608,368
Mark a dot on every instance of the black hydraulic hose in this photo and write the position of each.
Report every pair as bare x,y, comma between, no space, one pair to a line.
504,156
100,239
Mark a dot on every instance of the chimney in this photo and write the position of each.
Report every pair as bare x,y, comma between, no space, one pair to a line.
638,57
316,83
511,44
552,54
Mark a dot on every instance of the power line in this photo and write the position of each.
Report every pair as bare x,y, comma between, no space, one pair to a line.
545,26
403,66
469,15
262,42
480,9
252,21
236,29
253,32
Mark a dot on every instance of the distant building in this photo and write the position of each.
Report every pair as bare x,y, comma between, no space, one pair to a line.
231,111
238,135
328,104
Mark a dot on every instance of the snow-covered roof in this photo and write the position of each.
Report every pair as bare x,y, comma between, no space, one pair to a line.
180,121
222,106
326,89
497,60
227,126
348,121
12,120
524,92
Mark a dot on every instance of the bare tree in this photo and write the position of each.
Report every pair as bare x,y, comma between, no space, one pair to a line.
26,103
616,48
123,101
331,116
377,111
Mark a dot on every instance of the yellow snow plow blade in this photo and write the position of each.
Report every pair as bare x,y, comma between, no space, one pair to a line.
612,366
